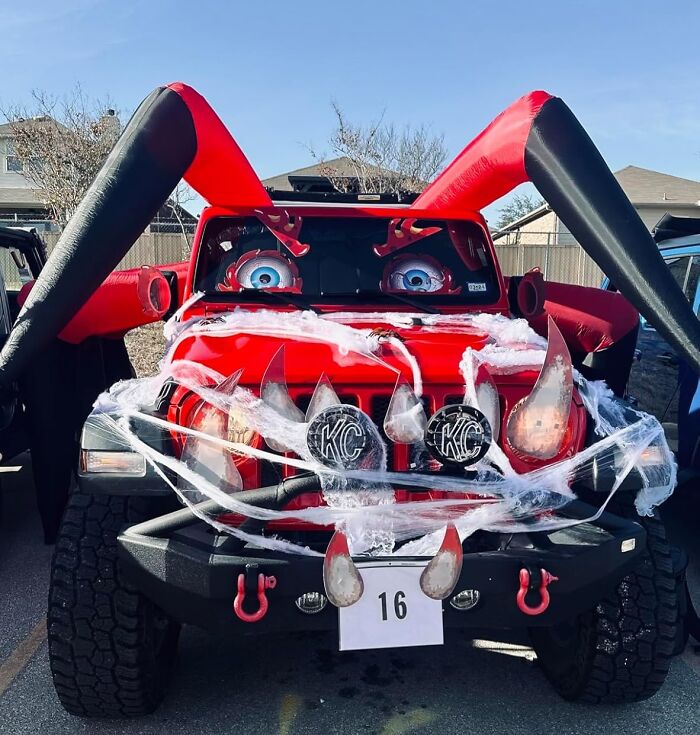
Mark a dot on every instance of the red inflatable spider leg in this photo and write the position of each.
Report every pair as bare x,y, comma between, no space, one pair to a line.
220,172
491,165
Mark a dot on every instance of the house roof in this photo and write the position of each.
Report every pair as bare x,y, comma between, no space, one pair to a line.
528,217
642,187
7,130
341,166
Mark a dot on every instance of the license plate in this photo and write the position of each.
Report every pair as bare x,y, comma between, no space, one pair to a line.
393,611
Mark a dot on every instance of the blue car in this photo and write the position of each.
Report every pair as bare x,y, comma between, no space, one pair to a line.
660,382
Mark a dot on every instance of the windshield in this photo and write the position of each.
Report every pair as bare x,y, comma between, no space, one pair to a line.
328,259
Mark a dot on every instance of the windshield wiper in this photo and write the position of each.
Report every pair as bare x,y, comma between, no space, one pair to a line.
417,305
284,297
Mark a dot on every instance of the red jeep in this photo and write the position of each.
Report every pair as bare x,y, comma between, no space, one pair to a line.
352,432
334,271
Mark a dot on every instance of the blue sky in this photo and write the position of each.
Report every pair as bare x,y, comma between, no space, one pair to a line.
630,71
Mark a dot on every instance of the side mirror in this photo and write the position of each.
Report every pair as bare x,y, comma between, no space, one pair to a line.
527,294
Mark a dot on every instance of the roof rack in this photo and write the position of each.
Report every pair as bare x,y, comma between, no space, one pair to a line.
670,226
342,197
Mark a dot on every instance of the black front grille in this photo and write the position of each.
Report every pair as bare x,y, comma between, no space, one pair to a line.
378,408
304,399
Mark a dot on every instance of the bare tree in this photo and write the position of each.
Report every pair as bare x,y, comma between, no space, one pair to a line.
381,158
518,206
182,194
60,144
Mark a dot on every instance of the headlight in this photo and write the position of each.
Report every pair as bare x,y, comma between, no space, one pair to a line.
240,433
210,461
458,435
537,424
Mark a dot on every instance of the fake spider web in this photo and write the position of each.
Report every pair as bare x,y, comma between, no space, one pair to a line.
360,501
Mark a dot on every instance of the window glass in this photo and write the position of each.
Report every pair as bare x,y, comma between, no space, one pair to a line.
679,269
14,164
10,273
446,261
691,287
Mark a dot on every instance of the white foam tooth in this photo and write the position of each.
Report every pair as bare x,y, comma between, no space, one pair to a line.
274,392
405,419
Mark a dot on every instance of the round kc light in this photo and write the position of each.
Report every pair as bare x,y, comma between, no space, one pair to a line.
458,435
340,436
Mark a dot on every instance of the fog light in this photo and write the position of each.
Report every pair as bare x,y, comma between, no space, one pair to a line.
311,602
465,600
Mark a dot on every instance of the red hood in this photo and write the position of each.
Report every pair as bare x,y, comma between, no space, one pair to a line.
437,349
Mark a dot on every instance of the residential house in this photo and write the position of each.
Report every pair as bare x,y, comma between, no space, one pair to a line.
21,203
337,174
18,197
312,178
540,238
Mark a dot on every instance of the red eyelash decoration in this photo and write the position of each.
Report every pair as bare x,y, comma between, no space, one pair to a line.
402,233
287,232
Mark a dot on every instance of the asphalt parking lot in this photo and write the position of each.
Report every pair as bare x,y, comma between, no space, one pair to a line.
300,684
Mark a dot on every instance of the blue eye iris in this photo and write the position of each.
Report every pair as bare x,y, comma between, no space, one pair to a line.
265,277
265,270
416,280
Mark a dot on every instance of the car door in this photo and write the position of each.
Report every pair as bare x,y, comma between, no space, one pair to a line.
21,259
689,389
654,378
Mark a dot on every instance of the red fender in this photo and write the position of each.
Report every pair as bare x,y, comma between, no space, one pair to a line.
590,319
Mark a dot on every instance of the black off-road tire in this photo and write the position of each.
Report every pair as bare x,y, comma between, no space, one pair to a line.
111,650
622,649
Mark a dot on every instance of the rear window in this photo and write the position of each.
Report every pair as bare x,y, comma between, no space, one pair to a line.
445,262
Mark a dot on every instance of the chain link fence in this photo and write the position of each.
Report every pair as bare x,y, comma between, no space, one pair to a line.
564,263
152,248
167,244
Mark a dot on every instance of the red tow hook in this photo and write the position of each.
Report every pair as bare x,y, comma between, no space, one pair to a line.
264,583
525,586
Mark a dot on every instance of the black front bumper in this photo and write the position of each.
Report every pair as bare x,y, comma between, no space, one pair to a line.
191,572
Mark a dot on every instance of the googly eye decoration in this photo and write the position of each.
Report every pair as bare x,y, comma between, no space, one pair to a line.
266,270
417,274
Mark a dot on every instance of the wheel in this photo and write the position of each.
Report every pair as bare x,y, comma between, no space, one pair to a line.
621,650
110,649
